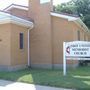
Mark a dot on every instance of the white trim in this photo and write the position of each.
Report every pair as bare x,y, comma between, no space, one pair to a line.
16,6
21,22
71,18
7,18
82,24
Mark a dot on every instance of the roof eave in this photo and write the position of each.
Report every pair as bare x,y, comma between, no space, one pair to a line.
81,23
69,18
74,19
16,20
15,6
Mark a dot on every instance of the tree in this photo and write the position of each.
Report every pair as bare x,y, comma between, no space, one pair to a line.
82,6
83,10
79,7
65,8
68,7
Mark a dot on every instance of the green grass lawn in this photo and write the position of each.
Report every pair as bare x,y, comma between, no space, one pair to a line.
78,78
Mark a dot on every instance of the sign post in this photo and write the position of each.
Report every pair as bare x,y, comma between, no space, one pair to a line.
64,60
76,50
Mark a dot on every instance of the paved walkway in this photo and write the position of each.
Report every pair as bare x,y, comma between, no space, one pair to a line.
8,85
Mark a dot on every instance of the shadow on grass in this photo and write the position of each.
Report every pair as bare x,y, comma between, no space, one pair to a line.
75,79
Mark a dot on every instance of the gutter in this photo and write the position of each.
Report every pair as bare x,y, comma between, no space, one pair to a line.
83,25
76,20
80,23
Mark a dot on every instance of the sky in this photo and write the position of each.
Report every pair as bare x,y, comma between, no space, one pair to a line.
55,2
5,3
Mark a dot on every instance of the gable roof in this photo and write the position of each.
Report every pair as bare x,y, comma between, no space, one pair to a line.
75,19
8,18
15,6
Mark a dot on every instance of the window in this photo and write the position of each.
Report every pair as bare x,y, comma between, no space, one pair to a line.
21,40
78,35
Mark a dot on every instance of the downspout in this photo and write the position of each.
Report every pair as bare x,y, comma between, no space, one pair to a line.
28,45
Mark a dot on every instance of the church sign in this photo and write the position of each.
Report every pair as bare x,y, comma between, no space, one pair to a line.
76,50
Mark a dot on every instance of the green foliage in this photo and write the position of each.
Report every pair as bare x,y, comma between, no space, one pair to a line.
83,10
68,7
87,20
65,9
83,6
76,7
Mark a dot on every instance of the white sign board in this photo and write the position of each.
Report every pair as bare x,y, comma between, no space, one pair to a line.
77,50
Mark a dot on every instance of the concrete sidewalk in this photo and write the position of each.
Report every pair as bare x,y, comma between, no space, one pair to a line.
8,85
